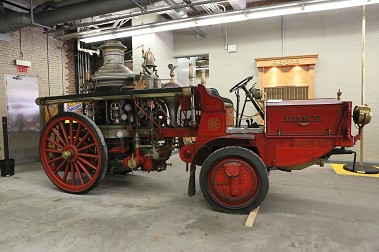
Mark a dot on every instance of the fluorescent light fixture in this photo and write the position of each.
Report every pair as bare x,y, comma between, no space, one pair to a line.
228,17
133,32
322,6
98,38
221,19
170,26
129,32
274,12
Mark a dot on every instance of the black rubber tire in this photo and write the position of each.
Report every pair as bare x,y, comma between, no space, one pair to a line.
99,137
248,156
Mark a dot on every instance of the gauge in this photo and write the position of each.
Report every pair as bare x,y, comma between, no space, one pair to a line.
124,117
119,134
127,107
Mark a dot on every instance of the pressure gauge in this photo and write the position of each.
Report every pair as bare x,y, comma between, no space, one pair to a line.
119,134
124,117
128,107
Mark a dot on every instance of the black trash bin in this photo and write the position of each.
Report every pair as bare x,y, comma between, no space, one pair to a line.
7,167
7,164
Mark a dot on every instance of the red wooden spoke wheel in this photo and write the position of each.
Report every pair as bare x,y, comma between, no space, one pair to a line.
234,180
73,152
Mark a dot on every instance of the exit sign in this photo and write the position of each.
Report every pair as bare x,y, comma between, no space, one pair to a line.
22,69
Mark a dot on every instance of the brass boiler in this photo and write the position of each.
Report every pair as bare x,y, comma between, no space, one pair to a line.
113,74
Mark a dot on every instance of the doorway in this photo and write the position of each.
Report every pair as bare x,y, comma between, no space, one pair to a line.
23,118
200,70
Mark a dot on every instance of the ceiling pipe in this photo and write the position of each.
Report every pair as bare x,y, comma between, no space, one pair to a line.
88,9
12,21
182,12
238,4
153,10
18,6
56,5
191,6
2,10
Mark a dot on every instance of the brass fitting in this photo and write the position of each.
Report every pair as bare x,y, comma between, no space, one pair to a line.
362,115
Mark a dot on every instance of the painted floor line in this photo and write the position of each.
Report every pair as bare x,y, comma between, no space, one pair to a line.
338,168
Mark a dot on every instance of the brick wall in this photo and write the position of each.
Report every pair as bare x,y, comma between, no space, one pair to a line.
45,53
70,66
334,35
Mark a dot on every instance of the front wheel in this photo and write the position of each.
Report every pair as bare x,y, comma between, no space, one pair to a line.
234,180
73,152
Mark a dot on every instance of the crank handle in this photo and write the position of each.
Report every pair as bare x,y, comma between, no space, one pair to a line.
304,124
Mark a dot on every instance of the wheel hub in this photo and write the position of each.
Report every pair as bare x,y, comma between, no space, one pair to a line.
70,153
233,182
232,169
66,154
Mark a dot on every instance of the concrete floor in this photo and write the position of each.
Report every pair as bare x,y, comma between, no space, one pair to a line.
309,210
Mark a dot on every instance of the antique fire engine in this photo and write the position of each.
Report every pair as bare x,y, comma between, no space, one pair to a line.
130,123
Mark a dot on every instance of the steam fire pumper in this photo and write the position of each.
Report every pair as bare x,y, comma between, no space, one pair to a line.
125,129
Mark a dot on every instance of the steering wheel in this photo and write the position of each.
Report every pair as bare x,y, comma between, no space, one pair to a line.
241,84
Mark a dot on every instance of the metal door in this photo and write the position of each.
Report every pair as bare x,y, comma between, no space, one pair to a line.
23,118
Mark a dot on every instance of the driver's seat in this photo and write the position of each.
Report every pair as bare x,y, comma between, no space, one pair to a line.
227,101
228,106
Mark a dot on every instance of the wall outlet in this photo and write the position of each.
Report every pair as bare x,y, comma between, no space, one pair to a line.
232,48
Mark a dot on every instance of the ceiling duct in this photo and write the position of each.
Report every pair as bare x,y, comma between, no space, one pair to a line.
182,13
238,4
12,21
2,10
56,5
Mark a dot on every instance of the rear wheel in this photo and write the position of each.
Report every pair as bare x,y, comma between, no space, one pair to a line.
234,180
73,152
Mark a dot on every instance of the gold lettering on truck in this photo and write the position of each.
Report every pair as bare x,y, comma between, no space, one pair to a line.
302,119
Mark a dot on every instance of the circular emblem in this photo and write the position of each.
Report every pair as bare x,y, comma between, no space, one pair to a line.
213,124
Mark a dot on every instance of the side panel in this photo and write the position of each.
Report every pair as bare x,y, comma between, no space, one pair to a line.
306,118
287,152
